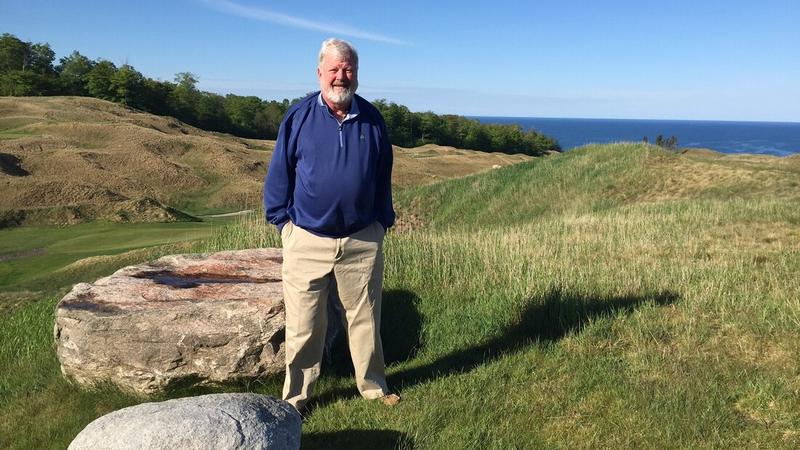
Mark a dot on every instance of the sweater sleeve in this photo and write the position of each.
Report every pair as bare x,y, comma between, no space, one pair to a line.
383,191
279,183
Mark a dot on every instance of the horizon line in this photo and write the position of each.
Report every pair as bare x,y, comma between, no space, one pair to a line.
791,122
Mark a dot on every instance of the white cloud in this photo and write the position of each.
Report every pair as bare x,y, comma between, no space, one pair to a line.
266,15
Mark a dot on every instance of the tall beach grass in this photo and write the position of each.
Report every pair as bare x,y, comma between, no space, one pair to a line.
609,297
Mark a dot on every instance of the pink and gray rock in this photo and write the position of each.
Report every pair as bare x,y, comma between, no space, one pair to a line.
197,319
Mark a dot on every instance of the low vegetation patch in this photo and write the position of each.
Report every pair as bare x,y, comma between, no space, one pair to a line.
583,300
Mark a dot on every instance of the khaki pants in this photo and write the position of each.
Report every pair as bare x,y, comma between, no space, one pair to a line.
310,263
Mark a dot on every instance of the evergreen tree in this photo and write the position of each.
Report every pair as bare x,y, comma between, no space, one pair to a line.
99,80
14,53
25,68
127,85
185,97
41,59
72,71
672,142
211,113
242,112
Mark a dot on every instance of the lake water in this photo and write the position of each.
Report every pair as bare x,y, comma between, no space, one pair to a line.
768,138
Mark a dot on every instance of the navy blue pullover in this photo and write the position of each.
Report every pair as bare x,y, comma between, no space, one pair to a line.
329,178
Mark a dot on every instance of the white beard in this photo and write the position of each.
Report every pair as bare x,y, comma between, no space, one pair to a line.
340,96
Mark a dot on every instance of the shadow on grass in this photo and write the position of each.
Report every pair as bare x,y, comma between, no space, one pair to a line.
543,320
401,334
401,331
191,387
356,439
401,326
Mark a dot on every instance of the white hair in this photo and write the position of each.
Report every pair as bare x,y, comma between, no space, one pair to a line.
340,48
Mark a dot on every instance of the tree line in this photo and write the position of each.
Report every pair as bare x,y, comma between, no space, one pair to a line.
412,129
670,143
29,69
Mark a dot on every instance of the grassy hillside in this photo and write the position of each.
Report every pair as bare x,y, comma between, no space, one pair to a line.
605,178
614,296
66,160
80,159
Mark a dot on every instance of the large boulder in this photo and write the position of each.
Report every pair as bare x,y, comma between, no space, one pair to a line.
199,318
213,422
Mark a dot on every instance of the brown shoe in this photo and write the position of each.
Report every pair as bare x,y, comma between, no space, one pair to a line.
390,399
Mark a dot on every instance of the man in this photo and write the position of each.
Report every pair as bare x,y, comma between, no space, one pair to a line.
328,191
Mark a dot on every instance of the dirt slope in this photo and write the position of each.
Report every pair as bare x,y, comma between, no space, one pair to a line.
72,159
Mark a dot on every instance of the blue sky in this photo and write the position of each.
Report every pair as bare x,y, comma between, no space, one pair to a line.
734,60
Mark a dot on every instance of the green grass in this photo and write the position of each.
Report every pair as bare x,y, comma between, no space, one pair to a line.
261,148
603,298
30,379
40,259
13,134
14,127
196,203
39,408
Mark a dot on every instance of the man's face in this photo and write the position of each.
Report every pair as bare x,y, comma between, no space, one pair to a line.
338,79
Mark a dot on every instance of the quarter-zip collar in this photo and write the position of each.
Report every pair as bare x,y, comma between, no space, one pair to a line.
352,111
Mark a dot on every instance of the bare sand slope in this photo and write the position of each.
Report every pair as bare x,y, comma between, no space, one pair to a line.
73,159
70,159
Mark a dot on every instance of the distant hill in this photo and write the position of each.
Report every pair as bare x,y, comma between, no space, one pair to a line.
75,159
598,178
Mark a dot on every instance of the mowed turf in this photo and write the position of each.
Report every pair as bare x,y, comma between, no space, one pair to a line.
39,260
614,296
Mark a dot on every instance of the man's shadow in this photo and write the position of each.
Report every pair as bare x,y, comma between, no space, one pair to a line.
543,320
401,328
356,439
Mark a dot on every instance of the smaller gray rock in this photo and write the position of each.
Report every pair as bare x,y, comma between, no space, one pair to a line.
213,422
